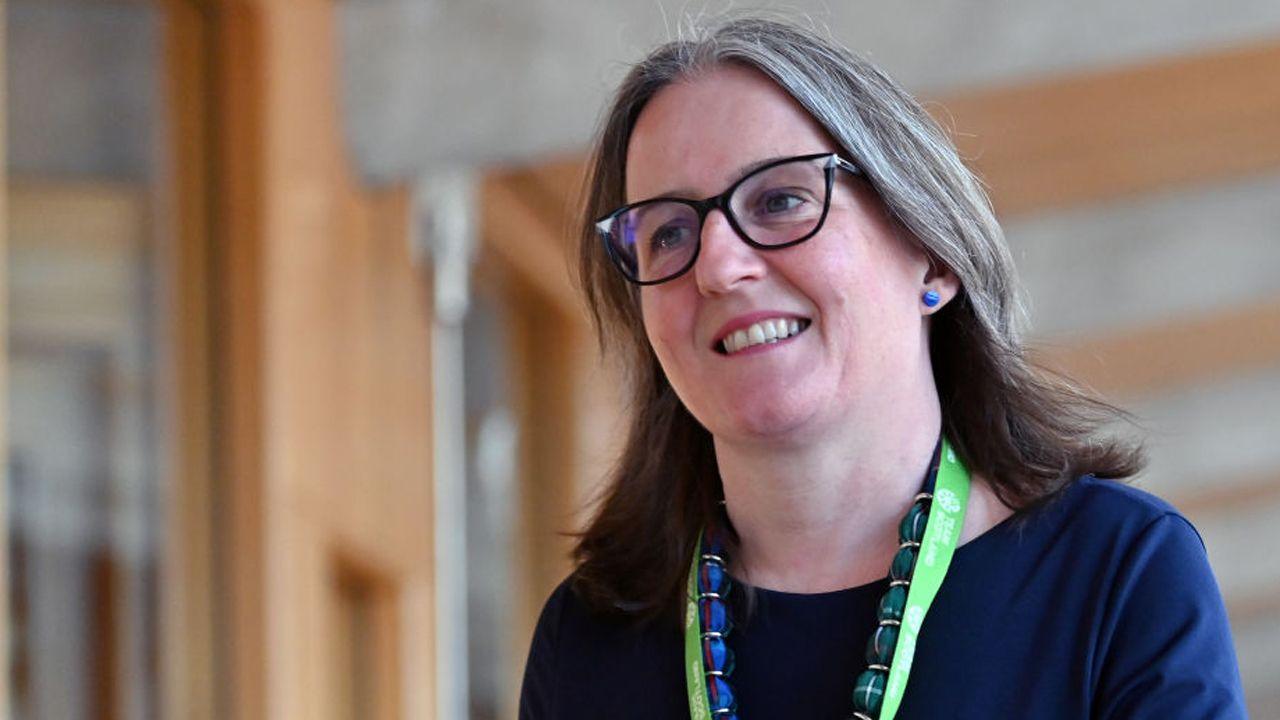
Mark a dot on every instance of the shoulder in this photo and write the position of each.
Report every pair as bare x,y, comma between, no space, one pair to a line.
1096,541
1108,510
1163,626
576,654
1120,496
563,621
1141,538
1123,572
1114,498
538,692
1089,536
567,618
1113,528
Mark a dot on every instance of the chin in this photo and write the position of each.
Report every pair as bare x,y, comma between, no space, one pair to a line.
765,419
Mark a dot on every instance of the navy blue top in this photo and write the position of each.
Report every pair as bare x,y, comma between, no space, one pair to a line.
1100,604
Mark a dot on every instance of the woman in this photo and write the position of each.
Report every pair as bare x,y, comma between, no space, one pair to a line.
833,414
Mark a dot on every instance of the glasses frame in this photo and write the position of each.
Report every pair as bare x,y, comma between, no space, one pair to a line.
721,202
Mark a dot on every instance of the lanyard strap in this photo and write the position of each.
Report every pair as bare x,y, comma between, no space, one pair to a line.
695,681
941,536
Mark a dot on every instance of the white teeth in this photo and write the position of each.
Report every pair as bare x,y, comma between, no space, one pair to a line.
765,331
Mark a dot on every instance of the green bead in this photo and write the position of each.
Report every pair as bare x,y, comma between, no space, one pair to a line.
881,644
911,529
903,562
892,603
868,692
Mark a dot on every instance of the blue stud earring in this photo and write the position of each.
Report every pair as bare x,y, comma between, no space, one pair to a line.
932,298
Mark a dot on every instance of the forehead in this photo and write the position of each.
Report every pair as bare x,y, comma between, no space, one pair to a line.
694,136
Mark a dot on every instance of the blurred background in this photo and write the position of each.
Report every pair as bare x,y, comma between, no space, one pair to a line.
300,398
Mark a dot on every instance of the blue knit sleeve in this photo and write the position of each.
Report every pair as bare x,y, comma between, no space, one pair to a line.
1166,650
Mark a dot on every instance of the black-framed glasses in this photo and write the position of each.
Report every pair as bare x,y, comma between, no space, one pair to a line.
777,205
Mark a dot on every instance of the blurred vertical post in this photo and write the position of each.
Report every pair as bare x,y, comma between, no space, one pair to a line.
190,677
4,369
447,228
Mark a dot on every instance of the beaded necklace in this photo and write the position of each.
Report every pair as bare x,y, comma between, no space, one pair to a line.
878,690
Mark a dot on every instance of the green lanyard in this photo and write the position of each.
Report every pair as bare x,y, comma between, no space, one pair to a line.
941,536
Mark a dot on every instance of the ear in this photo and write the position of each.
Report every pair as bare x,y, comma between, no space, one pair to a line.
940,279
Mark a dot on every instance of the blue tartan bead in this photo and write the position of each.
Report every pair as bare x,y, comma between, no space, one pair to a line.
712,578
719,694
881,644
911,529
868,692
713,616
903,562
716,655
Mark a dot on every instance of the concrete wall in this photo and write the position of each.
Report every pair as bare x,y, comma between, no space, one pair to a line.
431,81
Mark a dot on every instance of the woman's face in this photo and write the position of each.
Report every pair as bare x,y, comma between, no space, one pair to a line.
856,285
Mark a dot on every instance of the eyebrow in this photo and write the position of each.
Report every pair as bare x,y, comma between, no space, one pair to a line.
741,172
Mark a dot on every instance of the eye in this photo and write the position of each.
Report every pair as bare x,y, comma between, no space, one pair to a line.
782,204
668,237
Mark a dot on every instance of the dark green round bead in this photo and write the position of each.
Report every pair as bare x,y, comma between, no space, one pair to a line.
892,603
903,562
881,644
911,529
868,692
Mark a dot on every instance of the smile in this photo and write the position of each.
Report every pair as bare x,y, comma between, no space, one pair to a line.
761,333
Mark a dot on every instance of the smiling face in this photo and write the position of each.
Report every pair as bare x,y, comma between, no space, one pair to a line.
847,302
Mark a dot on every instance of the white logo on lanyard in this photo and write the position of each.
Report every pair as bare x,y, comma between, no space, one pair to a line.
947,500
915,617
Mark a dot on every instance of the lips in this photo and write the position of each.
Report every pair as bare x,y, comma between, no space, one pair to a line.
752,331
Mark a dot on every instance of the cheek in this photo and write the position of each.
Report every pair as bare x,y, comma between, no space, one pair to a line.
662,325
835,277
859,290
650,311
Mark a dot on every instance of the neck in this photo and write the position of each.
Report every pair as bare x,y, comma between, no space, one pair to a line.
823,515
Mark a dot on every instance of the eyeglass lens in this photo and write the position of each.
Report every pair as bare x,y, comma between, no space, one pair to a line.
656,240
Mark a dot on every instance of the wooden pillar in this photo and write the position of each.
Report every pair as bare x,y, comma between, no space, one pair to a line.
322,392
188,613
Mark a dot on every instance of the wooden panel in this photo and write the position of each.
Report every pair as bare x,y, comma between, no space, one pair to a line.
1094,136
1160,357
366,639
327,373
1236,493
525,229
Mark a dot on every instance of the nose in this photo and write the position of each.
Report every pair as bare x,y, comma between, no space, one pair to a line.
725,260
